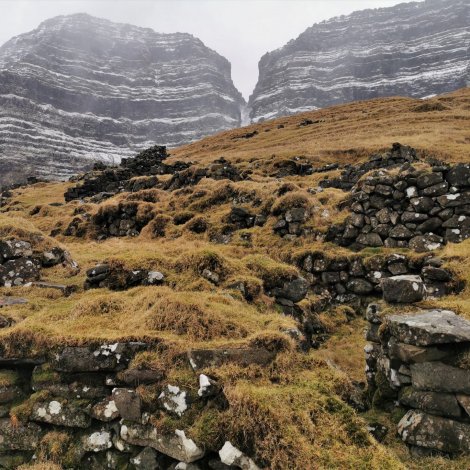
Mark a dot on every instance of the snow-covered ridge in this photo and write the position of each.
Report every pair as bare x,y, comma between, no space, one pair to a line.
411,49
80,88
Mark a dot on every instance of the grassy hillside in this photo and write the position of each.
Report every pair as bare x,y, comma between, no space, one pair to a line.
349,132
294,413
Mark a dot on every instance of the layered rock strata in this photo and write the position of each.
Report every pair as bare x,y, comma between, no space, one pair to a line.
411,49
79,88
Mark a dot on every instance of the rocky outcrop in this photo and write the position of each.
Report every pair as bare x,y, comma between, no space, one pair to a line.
405,207
79,88
411,49
418,363
82,395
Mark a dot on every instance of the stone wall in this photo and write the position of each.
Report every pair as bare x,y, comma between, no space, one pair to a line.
408,207
345,278
111,180
418,364
89,401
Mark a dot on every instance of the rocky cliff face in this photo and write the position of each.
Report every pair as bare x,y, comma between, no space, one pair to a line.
412,49
79,88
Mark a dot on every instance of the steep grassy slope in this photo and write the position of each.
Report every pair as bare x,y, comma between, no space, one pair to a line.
348,133
294,413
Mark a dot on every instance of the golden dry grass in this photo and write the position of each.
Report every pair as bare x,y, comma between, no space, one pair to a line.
348,132
290,414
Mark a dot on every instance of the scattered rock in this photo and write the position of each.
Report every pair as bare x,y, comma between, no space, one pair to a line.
230,455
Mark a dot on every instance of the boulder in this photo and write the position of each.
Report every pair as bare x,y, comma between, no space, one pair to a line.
428,179
464,402
436,190
424,243
205,358
403,289
442,404
135,376
429,328
436,274
459,175
439,377
400,232
61,413
128,403
296,214
8,302
413,217
207,387
52,257
176,446
378,431
16,436
454,200
370,239
422,204
431,225
230,455
373,314
294,290
360,286
96,441
434,432
154,278
410,354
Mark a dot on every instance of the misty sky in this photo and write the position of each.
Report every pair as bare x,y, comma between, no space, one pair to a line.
240,30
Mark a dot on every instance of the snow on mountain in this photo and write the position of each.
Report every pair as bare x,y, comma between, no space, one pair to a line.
79,88
411,49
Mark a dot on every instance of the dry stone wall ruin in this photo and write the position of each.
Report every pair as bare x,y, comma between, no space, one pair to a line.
407,207
418,363
86,395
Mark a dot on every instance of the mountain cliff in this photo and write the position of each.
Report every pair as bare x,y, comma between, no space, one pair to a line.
79,88
411,49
